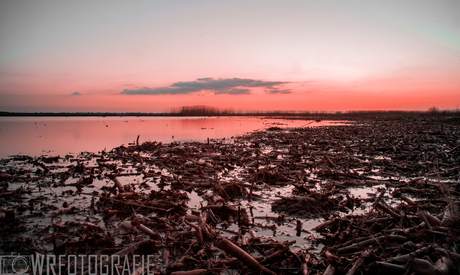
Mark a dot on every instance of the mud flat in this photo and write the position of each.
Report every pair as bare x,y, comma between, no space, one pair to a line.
375,196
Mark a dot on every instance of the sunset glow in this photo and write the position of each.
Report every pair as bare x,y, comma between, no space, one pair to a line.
152,56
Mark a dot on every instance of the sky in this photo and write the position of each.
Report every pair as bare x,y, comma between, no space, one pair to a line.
297,55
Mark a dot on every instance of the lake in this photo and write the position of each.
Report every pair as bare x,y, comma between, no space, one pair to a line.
52,136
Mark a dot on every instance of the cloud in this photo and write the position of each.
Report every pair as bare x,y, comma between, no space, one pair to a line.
276,91
233,86
159,91
234,92
76,93
204,79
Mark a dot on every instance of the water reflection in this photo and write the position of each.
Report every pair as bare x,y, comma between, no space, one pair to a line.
62,135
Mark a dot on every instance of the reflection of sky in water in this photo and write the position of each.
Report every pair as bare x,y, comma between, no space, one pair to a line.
62,135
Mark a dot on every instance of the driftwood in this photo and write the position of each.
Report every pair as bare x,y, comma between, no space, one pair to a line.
359,262
118,184
429,220
406,257
388,210
371,241
239,253
199,233
146,230
330,270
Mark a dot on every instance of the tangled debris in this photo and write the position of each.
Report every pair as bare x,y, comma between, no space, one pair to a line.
200,208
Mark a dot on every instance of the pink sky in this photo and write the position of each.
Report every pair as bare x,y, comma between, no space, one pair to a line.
152,56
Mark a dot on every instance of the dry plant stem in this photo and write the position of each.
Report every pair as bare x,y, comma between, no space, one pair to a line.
118,184
444,266
191,272
271,257
444,192
127,202
330,270
60,211
429,220
388,211
124,195
324,224
359,262
166,257
124,252
220,190
304,269
199,234
370,213
359,239
424,267
409,201
46,204
239,253
451,254
329,161
176,177
250,191
226,268
406,257
147,231
371,241
138,271
422,216
198,184
234,261
432,219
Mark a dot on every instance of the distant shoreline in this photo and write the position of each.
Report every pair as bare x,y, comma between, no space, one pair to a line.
60,114
284,114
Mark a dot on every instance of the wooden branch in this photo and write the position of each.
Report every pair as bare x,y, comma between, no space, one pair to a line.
359,262
377,200
191,272
239,253
389,211
371,241
330,270
117,184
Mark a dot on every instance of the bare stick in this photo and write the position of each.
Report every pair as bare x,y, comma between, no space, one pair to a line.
330,270
359,262
117,184
389,211
371,241
247,259
191,272
370,212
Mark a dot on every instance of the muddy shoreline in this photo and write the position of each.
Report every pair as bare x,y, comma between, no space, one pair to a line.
202,207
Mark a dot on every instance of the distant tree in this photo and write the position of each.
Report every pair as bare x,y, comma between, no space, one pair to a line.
433,110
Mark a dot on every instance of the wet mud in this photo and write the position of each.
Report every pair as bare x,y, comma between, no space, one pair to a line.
374,196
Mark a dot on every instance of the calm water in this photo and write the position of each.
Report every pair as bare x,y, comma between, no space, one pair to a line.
54,136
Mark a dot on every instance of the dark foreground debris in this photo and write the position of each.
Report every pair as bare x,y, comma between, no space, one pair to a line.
197,208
